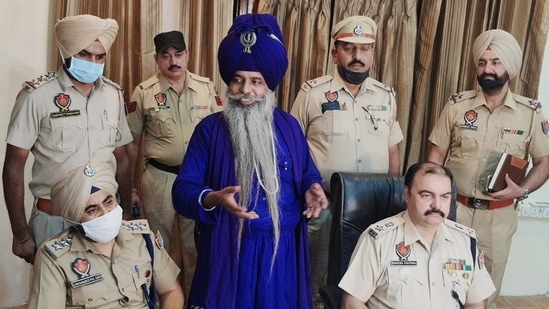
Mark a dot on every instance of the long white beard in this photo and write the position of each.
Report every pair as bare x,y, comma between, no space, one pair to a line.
254,146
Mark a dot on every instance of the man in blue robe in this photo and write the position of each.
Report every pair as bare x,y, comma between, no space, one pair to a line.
250,183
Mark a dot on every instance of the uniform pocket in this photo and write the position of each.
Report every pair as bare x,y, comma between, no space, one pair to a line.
405,285
66,132
164,123
336,122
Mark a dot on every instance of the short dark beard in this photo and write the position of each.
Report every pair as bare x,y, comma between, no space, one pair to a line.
490,86
354,78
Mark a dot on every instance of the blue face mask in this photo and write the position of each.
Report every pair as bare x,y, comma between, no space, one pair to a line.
84,71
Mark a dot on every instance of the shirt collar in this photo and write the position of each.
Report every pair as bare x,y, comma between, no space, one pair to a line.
508,101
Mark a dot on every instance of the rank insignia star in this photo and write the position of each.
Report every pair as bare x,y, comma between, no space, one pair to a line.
135,227
60,244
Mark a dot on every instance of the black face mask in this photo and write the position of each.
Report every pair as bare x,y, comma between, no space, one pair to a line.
354,78
492,86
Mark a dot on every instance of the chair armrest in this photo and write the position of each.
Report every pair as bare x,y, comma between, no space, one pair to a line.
331,296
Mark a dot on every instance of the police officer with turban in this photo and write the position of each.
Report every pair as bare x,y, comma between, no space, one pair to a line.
479,125
64,118
250,183
101,261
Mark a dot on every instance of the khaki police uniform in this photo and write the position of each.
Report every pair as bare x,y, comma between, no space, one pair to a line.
63,128
166,121
69,272
345,133
474,137
393,267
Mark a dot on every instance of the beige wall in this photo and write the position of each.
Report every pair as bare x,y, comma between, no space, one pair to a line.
25,35
23,55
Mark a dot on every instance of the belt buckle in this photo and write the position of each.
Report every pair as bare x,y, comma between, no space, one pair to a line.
476,203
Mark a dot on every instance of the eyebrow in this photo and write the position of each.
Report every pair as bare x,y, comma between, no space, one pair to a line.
432,193
95,205
89,53
490,59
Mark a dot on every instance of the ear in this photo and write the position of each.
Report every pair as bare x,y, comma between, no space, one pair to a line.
334,55
406,194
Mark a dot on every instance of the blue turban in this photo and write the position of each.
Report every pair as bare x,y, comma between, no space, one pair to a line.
254,43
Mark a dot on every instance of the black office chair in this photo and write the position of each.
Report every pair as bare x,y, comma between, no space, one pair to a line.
359,200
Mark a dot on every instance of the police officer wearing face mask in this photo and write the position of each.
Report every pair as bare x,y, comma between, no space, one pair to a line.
101,261
64,118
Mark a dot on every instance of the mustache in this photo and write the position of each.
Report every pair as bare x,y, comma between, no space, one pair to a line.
175,66
495,76
435,211
242,96
356,61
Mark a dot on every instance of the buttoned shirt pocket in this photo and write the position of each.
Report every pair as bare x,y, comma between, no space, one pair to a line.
198,112
163,122
89,296
512,143
336,122
404,285
458,281
467,147
66,132
110,133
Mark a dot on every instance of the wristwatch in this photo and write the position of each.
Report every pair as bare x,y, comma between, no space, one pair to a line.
525,196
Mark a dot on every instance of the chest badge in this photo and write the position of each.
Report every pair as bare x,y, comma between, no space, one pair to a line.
470,117
331,96
63,102
161,101
82,268
403,252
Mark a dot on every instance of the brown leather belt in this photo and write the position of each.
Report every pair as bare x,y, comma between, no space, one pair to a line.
477,203
164,167
45,206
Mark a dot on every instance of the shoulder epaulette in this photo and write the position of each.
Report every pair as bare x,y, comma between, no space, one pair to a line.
462,228
39,81
385,225
310,84
140,226
58,245
199,78
149,82
462,96
110,82
531,103
382,85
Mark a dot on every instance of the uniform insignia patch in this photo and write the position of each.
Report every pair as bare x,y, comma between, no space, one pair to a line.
512,131
545,126
131,107
160,99
457,264
358,30
470,117
331,96
481,259
63,101
132,226
535,104
82,268
218,101
403,252
159,240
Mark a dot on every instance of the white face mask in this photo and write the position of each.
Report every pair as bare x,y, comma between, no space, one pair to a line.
105,228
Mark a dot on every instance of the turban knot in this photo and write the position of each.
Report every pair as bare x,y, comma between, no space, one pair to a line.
504,45
254,43
70,194
74,33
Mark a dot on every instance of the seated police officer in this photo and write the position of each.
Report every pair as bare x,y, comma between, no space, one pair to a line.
101,261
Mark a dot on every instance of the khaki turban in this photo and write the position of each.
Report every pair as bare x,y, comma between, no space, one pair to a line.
75,33
71,193
504,45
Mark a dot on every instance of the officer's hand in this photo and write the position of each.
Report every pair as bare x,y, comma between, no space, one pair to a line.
316,201
511,192
25,250
137,208
225,198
